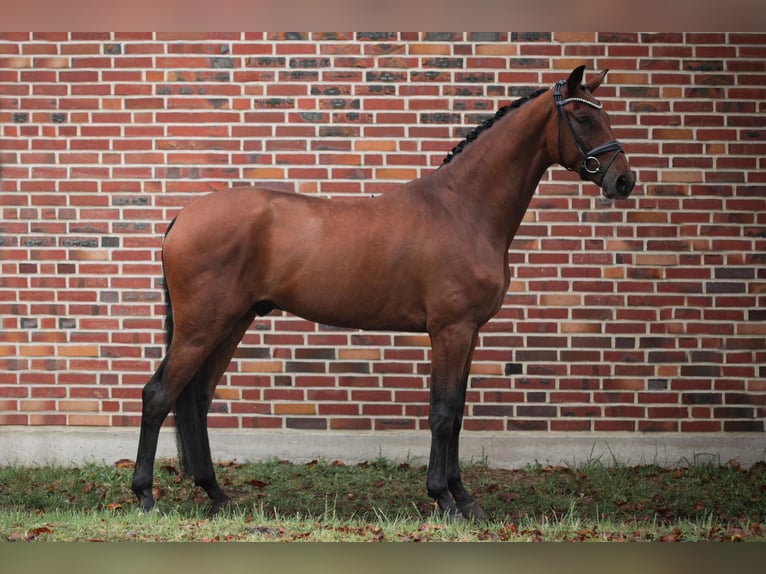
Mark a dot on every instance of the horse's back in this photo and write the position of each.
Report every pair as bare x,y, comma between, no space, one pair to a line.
342,262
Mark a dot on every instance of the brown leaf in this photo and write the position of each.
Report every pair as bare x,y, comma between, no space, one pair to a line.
378,534
35,532
171,469
338,463
125,463
88,486
113,506
737,535
509,496
255,483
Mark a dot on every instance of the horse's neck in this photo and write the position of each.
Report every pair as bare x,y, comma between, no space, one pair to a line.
495,177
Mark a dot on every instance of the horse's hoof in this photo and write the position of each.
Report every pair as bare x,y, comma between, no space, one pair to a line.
446,509
146,502
472,511
220,505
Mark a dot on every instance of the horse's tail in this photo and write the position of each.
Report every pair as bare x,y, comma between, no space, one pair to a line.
190,408
168,302
190,415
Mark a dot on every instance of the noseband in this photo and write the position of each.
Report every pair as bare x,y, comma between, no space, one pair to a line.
590,162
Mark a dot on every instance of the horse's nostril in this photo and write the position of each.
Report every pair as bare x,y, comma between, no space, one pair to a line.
624,186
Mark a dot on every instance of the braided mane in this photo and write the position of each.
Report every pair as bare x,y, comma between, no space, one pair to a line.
489,122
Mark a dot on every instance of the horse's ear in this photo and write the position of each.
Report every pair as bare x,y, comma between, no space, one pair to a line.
575,79
594,83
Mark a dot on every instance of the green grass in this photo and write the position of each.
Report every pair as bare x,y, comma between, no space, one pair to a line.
385,501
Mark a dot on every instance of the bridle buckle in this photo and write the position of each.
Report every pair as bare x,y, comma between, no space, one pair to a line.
591,165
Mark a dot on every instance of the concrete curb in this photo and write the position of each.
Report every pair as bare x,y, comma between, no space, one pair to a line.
65,446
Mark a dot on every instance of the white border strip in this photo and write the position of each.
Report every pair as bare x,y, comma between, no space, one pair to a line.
68,446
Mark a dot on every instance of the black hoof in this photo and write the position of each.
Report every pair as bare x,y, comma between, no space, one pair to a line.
473,512
146,501
447,510
220,505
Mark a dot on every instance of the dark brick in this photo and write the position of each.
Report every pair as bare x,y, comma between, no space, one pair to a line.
488,36
718,287
305,367
700,371
493,411
306,423
443,36
527,425
513,369
444,63
657,384
701,398
743,426
531,36
536,411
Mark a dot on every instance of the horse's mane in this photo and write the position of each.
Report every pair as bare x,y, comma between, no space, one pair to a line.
489,122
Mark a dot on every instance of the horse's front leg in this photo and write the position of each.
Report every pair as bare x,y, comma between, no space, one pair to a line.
451,358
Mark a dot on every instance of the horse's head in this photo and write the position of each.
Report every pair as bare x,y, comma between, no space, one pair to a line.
585,140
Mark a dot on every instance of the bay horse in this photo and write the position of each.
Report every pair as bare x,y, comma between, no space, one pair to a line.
429,256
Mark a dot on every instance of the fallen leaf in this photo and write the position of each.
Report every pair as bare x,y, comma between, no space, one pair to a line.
255,483
378,534
171,469
125,463
88,486
35,532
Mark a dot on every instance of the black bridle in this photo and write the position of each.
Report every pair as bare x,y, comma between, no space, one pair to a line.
590,162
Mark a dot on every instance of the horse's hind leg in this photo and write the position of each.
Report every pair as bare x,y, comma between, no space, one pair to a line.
191,410
154,412
158,397
187,358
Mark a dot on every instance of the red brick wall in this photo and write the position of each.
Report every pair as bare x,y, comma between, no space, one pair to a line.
645,315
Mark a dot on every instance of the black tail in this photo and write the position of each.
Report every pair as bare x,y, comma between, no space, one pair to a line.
190,412
190,409
168,303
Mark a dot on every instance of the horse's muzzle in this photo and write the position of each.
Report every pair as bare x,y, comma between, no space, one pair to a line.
620,187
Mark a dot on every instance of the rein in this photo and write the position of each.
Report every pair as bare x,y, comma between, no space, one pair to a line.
590,162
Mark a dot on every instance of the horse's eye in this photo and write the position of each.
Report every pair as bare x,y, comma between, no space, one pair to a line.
582,118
